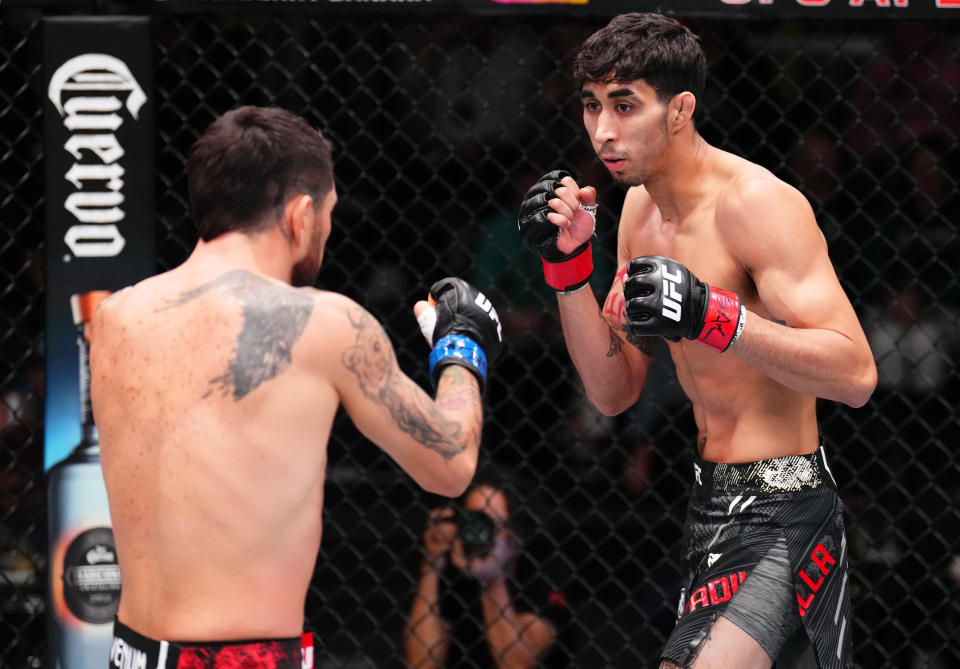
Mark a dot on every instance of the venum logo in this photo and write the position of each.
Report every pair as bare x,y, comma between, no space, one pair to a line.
672,298
84,91
125,656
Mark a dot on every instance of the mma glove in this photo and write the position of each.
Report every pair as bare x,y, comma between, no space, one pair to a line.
463,328
564,272
664,298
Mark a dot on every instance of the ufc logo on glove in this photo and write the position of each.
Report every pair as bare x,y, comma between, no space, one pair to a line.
672,298
484,303
655,290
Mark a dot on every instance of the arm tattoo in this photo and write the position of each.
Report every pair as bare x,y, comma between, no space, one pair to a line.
372,360
274,317
456,389
646,345
614,312
616,344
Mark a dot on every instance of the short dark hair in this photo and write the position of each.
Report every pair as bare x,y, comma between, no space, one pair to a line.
248,163
648,46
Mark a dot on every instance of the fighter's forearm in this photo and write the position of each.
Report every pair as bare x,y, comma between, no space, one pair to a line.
440,435
817,362
612,382
458,401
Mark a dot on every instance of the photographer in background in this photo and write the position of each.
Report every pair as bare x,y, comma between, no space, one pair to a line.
476,605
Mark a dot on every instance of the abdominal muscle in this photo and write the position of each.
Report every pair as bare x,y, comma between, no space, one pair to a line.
742,415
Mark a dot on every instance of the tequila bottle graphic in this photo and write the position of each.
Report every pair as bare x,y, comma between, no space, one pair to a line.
84,585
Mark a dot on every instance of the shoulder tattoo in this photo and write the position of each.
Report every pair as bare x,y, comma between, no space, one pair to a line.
372,361
274,317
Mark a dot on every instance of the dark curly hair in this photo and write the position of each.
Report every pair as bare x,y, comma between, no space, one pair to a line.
648,46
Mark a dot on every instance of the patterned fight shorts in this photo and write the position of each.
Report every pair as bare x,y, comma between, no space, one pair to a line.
131,650
766,549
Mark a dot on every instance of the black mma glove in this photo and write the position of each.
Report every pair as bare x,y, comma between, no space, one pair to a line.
466,330
664,298
564,272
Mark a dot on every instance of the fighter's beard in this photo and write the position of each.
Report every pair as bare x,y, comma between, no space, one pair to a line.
305,273
630,179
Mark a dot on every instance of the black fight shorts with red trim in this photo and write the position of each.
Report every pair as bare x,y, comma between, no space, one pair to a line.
765,545
132,650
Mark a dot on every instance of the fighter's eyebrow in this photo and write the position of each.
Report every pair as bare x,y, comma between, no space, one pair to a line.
616,93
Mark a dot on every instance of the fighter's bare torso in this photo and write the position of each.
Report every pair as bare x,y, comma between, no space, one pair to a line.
215,386
741,413
191,469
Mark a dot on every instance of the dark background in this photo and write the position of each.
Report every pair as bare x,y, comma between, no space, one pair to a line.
440,120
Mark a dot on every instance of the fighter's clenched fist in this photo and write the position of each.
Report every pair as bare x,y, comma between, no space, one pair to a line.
463,327
557,219
664,298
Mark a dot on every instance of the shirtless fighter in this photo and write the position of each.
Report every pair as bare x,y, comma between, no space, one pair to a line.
726,263
214,387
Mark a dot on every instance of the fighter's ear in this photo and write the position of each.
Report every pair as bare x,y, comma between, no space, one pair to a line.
297,216
681,109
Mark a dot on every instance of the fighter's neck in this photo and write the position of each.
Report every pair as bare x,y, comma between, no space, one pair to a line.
679,187
263,254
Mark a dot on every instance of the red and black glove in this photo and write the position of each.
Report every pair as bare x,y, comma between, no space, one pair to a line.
564,272
665,299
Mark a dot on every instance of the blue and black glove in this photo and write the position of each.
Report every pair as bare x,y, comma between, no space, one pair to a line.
463,328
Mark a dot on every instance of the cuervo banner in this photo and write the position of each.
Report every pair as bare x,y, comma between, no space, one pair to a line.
98,151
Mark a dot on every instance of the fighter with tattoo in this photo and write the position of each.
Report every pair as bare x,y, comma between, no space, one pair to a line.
215,385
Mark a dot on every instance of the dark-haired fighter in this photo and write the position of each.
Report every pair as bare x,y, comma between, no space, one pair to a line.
726,263
214,387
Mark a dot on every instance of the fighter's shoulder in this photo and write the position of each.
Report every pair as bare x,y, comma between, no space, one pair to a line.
329,302
122,301
753,193
114,298
119,313
764,219
336,314
341,332
113,305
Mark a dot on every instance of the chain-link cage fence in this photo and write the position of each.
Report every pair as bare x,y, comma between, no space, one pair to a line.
440,122
22,507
